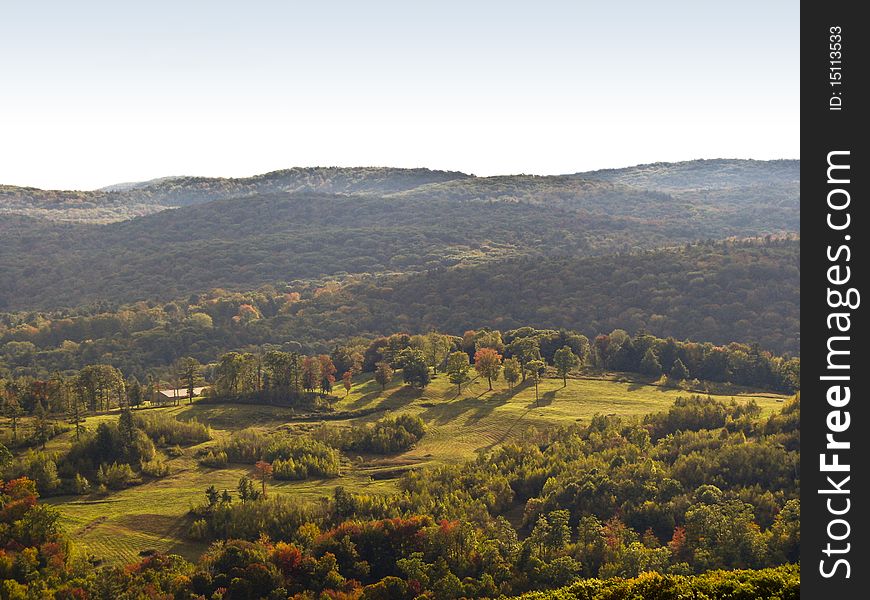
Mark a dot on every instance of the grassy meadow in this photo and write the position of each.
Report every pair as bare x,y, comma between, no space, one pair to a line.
118,526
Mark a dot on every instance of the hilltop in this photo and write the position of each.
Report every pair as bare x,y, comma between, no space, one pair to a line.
310,223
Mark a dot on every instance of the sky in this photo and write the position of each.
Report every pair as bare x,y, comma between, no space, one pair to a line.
95,93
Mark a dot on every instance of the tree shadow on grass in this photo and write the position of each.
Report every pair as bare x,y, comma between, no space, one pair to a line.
482,405
364,400
545,399
445,412
487,405
398,398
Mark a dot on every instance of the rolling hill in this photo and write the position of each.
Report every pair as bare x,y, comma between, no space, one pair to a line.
310,223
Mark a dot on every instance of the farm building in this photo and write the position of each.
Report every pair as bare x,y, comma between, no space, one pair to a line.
171,395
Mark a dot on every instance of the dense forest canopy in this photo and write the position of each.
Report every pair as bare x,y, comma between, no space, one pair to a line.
722,293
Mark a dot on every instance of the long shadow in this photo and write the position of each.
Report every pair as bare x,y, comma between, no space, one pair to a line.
445,412
487,405
365,399
545,399
402,396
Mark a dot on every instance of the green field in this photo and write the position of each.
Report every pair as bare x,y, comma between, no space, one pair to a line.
117,526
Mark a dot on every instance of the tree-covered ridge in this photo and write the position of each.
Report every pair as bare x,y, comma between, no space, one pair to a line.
747,292
243,243
125,201
703,174
721,292
121,201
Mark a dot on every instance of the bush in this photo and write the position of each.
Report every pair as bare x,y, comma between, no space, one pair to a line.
292,457
245,446
215,460
389,435
81,484
115,476
300,458
170,431
156,467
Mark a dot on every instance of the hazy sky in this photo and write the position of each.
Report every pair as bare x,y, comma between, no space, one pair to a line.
94,93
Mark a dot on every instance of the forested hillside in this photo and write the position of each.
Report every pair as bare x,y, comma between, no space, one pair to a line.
724,292
704,174
124,201
275,229
720,292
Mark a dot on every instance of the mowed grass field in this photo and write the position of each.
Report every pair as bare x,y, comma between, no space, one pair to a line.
118,526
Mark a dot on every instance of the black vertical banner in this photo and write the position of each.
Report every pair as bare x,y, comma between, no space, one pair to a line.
835,420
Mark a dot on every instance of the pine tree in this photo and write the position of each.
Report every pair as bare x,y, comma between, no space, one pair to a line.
679,372
650,365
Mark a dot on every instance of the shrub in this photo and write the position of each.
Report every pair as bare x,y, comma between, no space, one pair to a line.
115,476
81,484
214,459
155,467
167,430
389,435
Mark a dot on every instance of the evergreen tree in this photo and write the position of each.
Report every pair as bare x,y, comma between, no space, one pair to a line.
650,364
679,372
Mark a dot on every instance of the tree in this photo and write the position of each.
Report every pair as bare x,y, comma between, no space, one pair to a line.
679,372
525,349
536,370
310,374
541,534
347,358
383,374
650,364
74,410
436,347
42,428
13,411
134,393
512,371
127,435
488,339
347,382
457,369
212,495
564,360
415,371
246,490
99,384
487,363
264,473
560,530
188,370
5,456
327,373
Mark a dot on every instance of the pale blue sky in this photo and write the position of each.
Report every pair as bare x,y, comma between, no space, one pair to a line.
94,93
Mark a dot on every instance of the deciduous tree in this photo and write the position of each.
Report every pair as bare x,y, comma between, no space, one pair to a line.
487,362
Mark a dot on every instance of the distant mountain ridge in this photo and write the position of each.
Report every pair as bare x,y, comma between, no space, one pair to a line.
702,174
133,199
127,200
311,224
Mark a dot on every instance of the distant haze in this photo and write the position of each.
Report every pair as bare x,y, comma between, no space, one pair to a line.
98,93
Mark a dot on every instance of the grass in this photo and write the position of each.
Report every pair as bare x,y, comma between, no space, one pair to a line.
119,526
